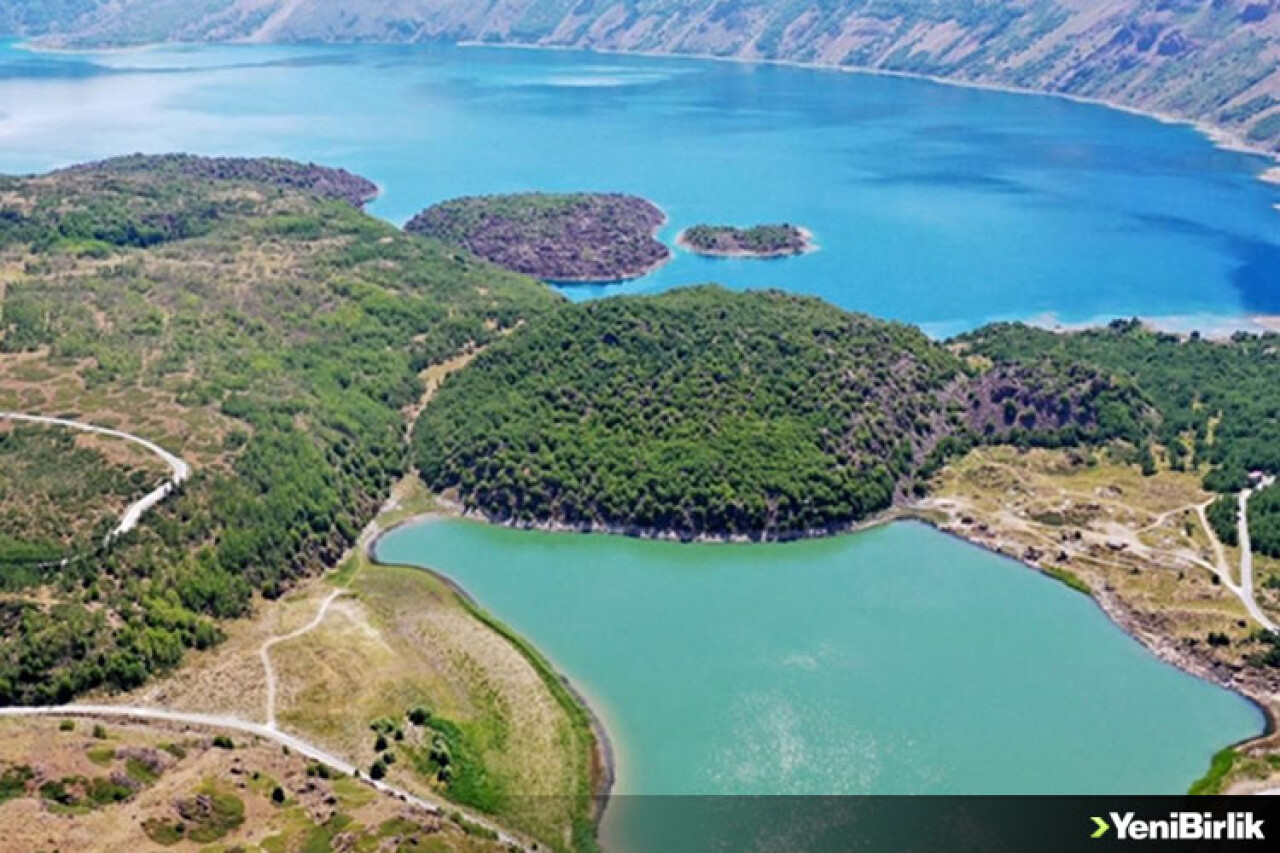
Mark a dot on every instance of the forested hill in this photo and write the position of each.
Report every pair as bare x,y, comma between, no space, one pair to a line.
322,181
1212,60
246,316
703,411
1219,401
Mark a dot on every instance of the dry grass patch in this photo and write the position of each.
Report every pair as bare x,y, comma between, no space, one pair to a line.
405,640
1125,536
193,795
400,639
229,678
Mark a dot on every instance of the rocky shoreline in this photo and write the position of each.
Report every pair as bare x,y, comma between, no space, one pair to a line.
1251,684
455,509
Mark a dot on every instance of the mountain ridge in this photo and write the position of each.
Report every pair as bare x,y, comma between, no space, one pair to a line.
1216,62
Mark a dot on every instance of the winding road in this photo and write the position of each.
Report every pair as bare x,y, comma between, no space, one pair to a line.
1246,556
179,469
1242,590
265,653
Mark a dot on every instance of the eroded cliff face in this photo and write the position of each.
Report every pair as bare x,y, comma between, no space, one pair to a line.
1216,61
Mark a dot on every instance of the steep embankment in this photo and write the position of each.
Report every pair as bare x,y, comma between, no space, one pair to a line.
1205,60
707,412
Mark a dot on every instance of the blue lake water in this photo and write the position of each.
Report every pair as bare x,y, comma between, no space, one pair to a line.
933,204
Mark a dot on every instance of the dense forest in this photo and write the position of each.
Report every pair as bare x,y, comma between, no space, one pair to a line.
1224,516
1219,401
279,331
1264,521
572,237
703,411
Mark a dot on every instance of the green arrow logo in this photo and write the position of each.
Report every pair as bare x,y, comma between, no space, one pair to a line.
1103,826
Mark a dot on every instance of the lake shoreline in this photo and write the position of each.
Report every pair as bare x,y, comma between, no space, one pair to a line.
1215,327
1116,612
453,509
648,270
603,761
1126,620
1221,137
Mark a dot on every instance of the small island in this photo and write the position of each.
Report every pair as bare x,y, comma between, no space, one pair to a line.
575,237
758,241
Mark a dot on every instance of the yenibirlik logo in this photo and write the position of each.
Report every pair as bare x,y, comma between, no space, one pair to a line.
1181,826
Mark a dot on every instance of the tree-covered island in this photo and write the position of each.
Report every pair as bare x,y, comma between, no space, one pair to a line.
757,241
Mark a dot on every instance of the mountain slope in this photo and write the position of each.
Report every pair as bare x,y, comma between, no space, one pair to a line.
1216,61
33,17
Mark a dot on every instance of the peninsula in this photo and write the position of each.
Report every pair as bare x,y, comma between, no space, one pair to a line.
757,241
321,181
575,237
707,413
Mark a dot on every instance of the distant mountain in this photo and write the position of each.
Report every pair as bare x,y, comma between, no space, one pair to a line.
38,17
1216,61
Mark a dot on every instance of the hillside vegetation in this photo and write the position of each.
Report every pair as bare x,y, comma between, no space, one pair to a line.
703,411
269,335
61,493
73,784
323,181
1218,401
582,237
1211,60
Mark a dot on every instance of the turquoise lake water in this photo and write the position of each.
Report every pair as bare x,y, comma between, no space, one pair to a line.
938,205
897,660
